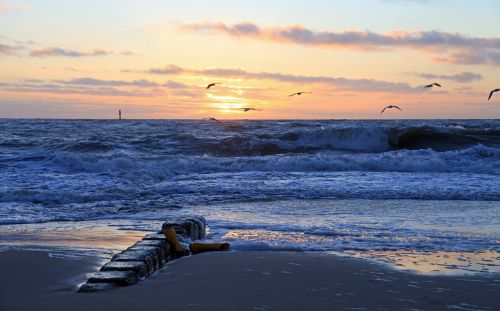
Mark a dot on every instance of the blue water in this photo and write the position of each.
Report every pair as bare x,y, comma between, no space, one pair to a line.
429,185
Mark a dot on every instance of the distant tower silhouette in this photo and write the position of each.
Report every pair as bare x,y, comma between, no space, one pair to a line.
119,114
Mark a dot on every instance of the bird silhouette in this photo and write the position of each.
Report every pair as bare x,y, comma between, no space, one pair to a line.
212,84
299,93
491,93
428,86
246,109
211,119
389,107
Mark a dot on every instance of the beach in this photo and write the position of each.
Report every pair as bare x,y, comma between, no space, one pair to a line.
320,214
242,281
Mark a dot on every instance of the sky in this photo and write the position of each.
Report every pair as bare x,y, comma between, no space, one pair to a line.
154,59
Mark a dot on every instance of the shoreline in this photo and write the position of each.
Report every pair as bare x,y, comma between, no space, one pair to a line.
257,280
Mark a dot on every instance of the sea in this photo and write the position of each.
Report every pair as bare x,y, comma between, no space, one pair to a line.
418,195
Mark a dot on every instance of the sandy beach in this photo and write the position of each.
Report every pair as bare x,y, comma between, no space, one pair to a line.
241,281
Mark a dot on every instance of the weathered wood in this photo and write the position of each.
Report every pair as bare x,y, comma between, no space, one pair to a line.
96,287
191,228
145,257
158,252
120,278
138,267
159,243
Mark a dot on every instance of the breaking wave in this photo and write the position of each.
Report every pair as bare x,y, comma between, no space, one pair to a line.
476,159
95,168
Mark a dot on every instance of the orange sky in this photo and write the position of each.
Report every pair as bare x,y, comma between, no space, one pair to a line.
154,60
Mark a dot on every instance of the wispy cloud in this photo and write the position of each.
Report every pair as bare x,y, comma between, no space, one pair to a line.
7,6
9,49
60,89
471,57
86,81
369,85
166,70
26,42
176,85
464,49
98,82
462,77
93,86
57,51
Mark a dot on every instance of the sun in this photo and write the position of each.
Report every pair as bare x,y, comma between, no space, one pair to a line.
228,104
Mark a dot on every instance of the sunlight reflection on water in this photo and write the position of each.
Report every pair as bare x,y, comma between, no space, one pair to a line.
437,263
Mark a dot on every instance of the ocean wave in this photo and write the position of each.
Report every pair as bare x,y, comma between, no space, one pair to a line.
442,138
385,138
151,164
477,159
356,139
249,138
90,146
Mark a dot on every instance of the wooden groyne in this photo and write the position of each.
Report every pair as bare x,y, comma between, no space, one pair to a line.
145,257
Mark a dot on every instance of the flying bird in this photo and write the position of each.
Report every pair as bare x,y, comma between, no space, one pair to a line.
212,84
211,119
299,93
249,108
491,93
389,107
428,86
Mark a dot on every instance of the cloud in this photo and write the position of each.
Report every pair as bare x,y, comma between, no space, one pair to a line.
99,87
462,77
27,42
58,89
9,49
175,85
128,53
7,6
369,85
98,82
464,49
167,70
57,51
471,57
301,35
138,83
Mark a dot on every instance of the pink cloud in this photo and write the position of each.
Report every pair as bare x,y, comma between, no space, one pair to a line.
461,77
368,85
57,51
458,48
9,49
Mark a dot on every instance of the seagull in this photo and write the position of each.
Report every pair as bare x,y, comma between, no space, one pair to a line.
212,84
249,108
211,119
491,93
428,86
389,107
299,93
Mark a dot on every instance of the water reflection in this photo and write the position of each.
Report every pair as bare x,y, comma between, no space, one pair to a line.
81,235
437,263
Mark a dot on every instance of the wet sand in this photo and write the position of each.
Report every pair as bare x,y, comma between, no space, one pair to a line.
242,281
